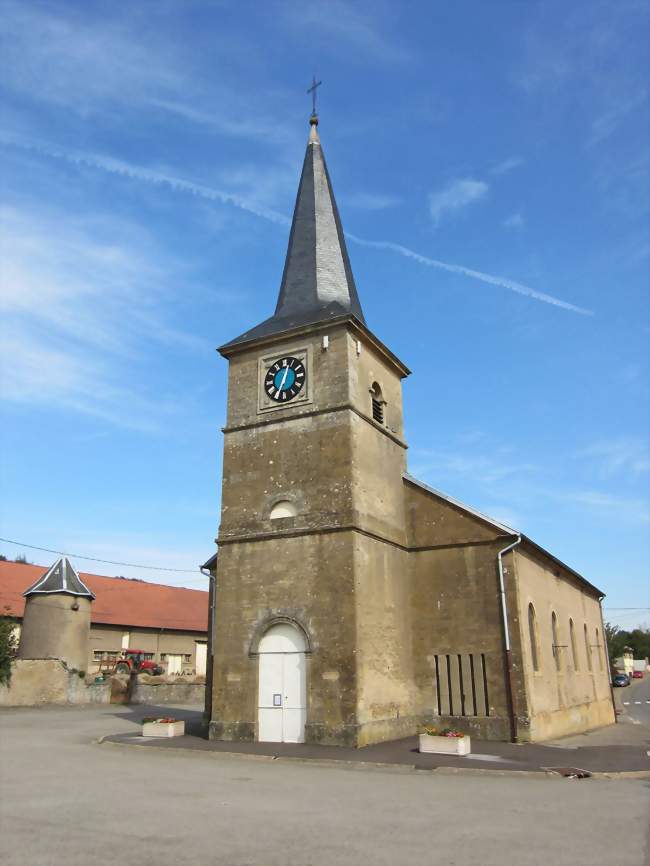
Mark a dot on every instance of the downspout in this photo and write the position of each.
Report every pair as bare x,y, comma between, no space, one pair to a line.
207,710
606,651
506,639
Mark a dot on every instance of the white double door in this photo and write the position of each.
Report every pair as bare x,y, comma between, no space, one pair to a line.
282,706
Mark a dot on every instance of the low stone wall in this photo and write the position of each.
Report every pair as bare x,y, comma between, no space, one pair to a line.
168,691
49,681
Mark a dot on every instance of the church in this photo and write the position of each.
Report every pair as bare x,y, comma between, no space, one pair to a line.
352,602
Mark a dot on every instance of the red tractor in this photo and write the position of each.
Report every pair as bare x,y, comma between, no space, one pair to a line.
132,661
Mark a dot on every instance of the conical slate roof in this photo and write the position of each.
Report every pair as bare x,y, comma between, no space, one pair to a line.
317,283
60,577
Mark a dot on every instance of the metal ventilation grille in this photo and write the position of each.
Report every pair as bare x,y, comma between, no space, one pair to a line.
461,685
378,411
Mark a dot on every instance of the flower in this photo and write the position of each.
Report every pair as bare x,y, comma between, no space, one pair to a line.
432,731
152,720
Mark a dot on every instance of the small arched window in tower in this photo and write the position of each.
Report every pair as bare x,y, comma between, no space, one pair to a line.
574,648
378,403
598,651
556,642
532,631
587,648
283,508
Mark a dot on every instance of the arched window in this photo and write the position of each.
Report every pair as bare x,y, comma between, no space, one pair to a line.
532,632
556,642
587,648
574,648
378,403
598,651
284,508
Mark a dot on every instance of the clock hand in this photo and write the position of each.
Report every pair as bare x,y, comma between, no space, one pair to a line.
284,379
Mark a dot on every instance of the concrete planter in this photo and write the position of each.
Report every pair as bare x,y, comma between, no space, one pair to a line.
163,729
445,745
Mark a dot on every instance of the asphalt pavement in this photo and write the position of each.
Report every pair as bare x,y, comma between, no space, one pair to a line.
635,700
67,801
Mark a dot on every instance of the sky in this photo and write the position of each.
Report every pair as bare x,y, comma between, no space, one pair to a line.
490,162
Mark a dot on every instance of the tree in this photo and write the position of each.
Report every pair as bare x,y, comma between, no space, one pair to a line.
3,558
22,559
8,648
639,640
615,642
618,640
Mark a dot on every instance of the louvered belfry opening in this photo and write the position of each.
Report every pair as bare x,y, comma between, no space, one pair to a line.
378,403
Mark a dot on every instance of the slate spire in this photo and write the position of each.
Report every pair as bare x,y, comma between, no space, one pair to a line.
317,282
60,577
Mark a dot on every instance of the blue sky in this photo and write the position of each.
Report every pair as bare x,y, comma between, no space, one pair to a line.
490,162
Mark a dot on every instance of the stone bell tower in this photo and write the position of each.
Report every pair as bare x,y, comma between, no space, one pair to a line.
313,612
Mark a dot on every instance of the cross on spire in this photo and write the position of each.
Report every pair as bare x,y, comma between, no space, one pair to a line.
312,90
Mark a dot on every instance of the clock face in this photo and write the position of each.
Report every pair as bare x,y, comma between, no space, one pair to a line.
285,379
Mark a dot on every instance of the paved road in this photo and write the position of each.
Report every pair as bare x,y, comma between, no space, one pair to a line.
65,801
635,700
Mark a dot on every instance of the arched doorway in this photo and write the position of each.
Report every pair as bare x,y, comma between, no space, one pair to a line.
282,702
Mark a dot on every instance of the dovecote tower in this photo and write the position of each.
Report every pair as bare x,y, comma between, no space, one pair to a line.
56,622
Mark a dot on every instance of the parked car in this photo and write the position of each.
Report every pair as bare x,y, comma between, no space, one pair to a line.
637,675
621,680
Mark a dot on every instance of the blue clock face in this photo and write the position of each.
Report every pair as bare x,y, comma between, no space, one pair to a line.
285,379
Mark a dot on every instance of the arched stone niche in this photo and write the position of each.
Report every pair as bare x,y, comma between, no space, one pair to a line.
278,619
283,508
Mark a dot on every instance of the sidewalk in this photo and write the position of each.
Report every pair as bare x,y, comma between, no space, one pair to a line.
601,757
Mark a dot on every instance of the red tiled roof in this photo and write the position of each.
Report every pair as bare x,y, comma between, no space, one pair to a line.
118,601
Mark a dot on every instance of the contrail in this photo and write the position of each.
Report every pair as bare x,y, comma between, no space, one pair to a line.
503,282
177,184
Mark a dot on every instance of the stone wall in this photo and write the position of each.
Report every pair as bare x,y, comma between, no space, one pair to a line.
159,691
49,681
567,691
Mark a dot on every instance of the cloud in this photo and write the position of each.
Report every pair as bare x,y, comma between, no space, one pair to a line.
608,122
631,509
100,544
514,221
81,299
456,195
158,178
369,201
628,455
176,184
336,22
38,373
502,282
503,514
258,126
477,467
61,57
89,64
507,165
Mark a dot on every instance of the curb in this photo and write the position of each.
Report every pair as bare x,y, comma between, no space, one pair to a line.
322,762
376,765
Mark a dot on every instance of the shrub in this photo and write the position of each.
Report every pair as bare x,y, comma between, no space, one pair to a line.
8,648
